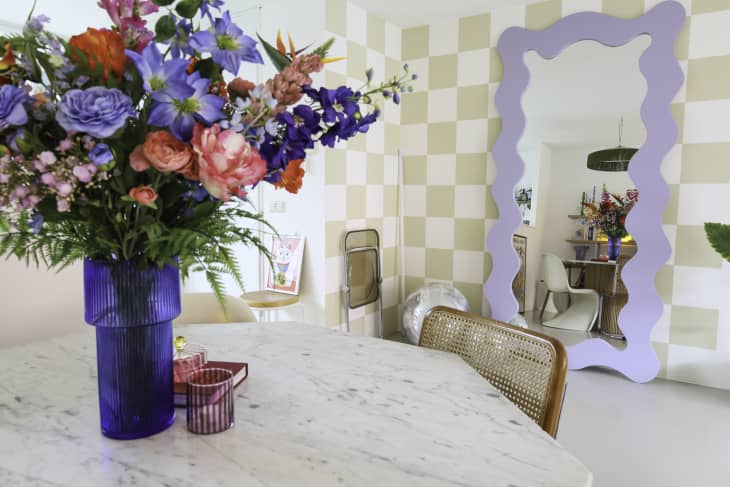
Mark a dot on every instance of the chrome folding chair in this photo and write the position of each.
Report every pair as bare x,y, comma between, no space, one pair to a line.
363,276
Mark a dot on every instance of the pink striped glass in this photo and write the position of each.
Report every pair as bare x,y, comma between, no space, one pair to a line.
210,401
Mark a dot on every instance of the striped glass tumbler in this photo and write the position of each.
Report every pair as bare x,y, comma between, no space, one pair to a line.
210,401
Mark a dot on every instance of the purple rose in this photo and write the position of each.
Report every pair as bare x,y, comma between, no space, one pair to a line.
101,154
96,111
12,111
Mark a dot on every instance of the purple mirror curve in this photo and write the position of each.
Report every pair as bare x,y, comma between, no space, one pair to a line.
664,77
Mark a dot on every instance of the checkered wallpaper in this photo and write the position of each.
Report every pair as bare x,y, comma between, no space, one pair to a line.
449,125
362,175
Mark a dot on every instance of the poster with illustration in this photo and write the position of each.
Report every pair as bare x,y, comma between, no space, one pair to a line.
287,253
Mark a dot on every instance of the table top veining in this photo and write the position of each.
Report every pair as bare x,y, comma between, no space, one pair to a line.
319,408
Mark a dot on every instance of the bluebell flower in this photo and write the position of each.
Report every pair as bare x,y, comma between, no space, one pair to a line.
101,154
180,42
158,75
206,5
227,44
178,111
35,24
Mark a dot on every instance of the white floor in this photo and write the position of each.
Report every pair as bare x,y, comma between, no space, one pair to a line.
663,433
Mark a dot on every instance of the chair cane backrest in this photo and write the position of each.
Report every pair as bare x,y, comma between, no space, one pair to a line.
529,368
556,278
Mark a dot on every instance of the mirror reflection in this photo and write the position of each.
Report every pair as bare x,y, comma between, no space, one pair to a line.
583,127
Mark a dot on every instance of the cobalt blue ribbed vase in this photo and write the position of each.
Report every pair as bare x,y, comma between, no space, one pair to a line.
132,311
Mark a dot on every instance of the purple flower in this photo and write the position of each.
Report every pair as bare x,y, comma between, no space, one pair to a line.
206,5
35,24
96,111
227,43
179,43
12,111
84,173
36,222
336,104
157,75
178,111
101,154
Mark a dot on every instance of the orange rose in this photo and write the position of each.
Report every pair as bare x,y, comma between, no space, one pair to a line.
137,159
166,153
291,178
8,60
103,48
144,195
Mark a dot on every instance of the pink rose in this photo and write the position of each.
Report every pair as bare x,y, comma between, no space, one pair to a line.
137,159
144,195
226,161
165,152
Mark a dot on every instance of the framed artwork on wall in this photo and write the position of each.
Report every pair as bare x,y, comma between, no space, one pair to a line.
287,253
518,285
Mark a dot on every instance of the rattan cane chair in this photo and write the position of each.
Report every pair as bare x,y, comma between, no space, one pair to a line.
529,368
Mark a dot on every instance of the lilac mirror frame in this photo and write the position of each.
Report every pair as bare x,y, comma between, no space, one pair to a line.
664,78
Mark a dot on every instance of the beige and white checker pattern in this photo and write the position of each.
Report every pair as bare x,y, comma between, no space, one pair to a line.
361,182
450,124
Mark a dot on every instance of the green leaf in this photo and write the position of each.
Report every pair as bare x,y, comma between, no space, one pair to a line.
163,3
279,60
164,28
719,236
4,225
324,49
188,8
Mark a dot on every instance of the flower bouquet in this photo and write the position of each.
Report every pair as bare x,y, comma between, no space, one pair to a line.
610,216
134,149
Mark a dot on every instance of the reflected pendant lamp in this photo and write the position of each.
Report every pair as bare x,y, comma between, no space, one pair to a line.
612,160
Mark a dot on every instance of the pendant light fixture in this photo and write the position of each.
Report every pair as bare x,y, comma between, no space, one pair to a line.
612,160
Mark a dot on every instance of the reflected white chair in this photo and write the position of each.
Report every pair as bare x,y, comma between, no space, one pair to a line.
198,308
583,310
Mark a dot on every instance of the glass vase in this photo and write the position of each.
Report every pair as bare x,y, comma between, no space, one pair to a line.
614,247
132,310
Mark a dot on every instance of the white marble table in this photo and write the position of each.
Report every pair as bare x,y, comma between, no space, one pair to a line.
318,409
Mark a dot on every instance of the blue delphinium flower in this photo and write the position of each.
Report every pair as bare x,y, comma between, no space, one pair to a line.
178,111
157,75
227,44
97,111
12,111
298,132
101,154
337,104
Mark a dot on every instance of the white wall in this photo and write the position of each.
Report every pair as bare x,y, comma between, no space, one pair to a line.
39,303
535,233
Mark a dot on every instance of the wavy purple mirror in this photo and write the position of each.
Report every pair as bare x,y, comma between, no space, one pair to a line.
664,77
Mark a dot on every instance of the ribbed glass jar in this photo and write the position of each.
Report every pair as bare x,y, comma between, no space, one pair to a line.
132,310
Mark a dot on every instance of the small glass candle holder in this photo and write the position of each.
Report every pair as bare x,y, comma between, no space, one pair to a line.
210,401
189,357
